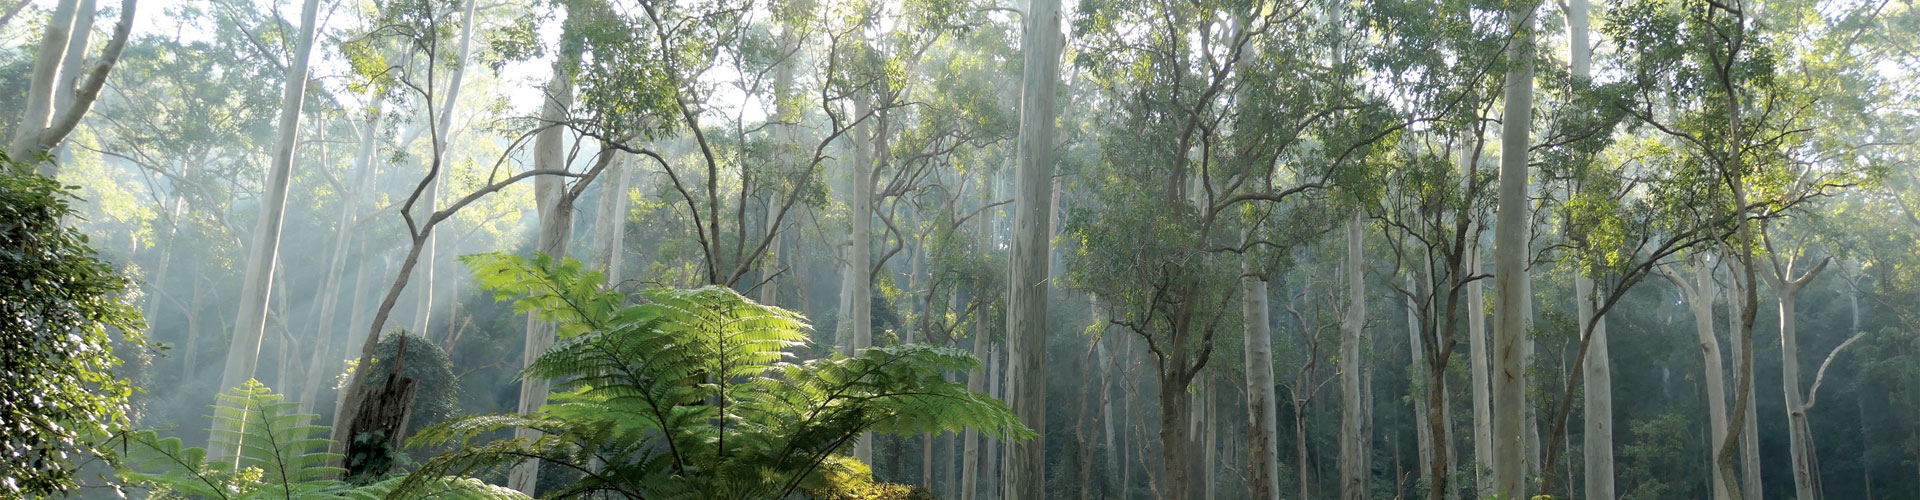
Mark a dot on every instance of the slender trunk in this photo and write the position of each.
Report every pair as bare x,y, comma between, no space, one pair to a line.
1212,448
993,467
555,208
859,283
1481,378
323,355
1597,389
243,354
1422,426
1354,447
74,60
1699,296
976,383
1027,261
1749,435
1263,454
1799,435
1510,240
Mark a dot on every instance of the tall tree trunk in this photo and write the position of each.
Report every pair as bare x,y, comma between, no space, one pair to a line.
44,125
1749,435
1263,454
1597,369
243,354
1422,426
1176,415
76,56
1799,435
423,315
970,450
1027,263
993,467
40,86
324,357
1597,389
859,283
1354,447
1698,291
1510,240
1480,367
555,209
1212,447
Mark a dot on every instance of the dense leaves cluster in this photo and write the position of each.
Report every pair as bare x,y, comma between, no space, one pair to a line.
60,312
693,392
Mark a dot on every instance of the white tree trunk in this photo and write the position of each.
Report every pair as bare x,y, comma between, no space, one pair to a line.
1799,434
859,281
1354,447
1027,261
1422,427
1480,352
970,449
1510,240
1750,485
1698,292
243,354
1597,389
40,86
1263,454
76,56
555,209
324,357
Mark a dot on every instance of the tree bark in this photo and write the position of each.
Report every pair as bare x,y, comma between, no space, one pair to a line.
46,72
1597,412
970,450
1422,426
859,281
1510,240
243,354
1699,295
1354,447
35,133
1749,435
1263,454
555,208
70,65
1028,258
1799,434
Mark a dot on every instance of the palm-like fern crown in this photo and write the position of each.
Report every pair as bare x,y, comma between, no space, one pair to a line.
695,391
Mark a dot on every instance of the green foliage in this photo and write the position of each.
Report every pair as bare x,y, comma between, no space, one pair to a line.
694,392
280,457
437,392
1658,449
60,311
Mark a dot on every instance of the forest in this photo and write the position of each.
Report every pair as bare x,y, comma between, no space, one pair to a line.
960,249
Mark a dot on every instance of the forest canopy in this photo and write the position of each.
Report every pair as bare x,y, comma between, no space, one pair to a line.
960,249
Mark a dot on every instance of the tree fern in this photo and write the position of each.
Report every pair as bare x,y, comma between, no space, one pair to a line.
695,394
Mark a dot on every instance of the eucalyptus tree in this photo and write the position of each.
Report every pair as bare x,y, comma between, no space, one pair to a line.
243,354
1185,155
1735,140
1509,326
1029,256
54,104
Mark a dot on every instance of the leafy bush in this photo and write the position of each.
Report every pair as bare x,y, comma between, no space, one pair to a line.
437,394
281,456
693,394
59,311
